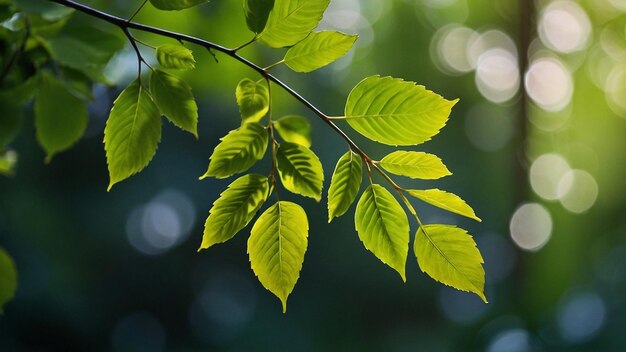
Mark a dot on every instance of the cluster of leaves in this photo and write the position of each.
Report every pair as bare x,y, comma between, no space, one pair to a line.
384,109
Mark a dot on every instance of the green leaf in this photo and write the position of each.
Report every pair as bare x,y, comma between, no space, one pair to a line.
444,200
10,120
175,5
383,227
290,21
47,10
449,255
300,170
395,112
175,56
344,185
8,279
257,12
234,209
294,129
132,133
253,100
276,246
415,165
87,49
8,160
238,151
60,117
175,100
318,50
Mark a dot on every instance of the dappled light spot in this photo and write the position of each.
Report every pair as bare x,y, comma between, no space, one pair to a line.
546,173
514,340
449,49
531,226
578,190
489,127
549,84
615,88
491,39
564,27
161,224
581,317
497,75
549,121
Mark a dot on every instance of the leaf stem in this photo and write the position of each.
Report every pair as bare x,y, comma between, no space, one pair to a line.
245,44
137,11
125,25
273,65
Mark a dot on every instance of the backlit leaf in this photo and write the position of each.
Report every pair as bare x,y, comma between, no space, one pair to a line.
175,56
444,200
238,151
276,246
300,170
132,133
8,160
415,165
169,5
290,21
294,129
449,255
396,112
234,209
60,117
175,100
383,227
253,100
8,279
318,50
87,49
256,12
344,185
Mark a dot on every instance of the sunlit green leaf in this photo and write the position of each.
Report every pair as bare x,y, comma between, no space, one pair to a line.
276,246
449,255
383,227
8,279
415,165
318,50
257,12
60,117
132,133
344,185
175,56
294,129
290,21
87,49
234,209
444,200
396,112
300,170
238,151
8,160
253,99
169,5
175,100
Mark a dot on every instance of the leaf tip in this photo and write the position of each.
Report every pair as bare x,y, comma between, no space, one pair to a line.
203,176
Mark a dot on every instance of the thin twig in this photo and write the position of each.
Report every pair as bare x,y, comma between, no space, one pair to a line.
124,24
137,11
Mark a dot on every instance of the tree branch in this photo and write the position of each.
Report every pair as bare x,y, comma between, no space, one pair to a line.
124,25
